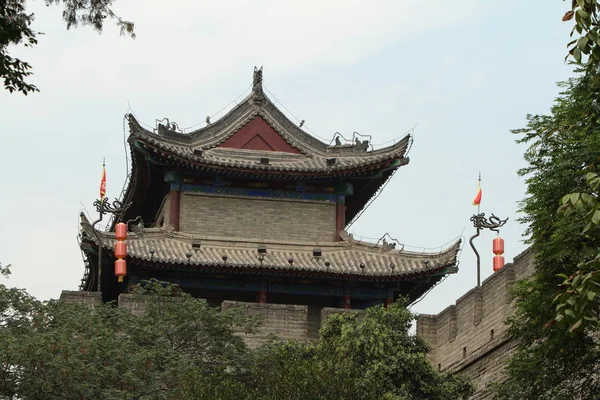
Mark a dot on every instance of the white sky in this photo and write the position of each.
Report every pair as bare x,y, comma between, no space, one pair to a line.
465,71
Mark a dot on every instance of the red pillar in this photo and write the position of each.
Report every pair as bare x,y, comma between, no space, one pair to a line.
347,299
262,296
340,216
389,298
347,303
262,293
174,202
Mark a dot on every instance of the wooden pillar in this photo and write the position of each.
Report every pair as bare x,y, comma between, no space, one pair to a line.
347,303
389,298
174,205
262,293
340,216
347,299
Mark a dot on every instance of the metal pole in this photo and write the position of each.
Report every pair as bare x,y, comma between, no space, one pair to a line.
480,222
478,258
101,213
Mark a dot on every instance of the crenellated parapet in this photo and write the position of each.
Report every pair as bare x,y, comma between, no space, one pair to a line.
470,336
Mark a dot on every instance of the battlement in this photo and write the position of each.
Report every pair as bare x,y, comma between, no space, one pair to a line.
471,335
282,321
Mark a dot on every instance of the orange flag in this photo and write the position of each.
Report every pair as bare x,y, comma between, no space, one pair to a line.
477,199
103,183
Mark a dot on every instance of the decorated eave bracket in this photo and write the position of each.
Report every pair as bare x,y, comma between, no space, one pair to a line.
493,223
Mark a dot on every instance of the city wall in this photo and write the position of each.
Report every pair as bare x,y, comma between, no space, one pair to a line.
282,321
470,336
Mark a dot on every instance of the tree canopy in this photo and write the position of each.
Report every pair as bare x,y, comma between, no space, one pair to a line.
180,348
16,28
552,362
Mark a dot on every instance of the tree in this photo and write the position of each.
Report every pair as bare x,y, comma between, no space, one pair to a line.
16,29
578,305
550,361
178,347
60,350
372,358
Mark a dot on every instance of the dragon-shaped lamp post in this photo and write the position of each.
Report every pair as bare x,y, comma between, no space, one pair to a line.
480,222
103,206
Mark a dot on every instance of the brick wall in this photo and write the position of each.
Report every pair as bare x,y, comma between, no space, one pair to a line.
127,302
244,217
284,321
471,335
92,299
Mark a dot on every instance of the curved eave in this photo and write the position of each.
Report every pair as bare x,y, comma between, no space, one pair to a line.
350,259
215,134
257,103
311,167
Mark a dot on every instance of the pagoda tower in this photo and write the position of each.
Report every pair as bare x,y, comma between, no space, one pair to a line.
251,208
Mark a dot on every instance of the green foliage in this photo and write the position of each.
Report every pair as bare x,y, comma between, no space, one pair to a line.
16,29
180,348
372,358
578,305
4,271
550,362
61,350
586,15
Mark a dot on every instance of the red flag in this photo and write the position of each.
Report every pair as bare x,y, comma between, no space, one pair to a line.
477,199
103,183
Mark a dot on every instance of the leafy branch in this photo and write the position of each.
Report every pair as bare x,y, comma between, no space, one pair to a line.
586,14
16,29
578,304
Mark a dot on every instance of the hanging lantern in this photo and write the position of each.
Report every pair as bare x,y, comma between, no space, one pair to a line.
498,262
498,249
498,246
121,231
120,269
120,251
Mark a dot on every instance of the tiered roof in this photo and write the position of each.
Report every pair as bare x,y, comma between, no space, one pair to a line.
256,141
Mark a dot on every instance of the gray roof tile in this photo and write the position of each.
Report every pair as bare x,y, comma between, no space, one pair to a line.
345,257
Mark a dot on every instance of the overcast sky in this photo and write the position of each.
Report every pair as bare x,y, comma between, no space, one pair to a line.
464,72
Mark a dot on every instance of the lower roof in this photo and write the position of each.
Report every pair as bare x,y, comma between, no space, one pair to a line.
348,258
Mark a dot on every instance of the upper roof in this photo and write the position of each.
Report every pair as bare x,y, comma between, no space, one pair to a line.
255,129
350,258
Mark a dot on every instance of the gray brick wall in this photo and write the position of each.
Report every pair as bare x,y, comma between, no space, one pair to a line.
284,321
257,218
281,321
92,299
127,302
471,335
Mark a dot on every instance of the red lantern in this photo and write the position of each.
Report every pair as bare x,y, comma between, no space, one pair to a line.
498,262
120,249
120,269
498,246
121,231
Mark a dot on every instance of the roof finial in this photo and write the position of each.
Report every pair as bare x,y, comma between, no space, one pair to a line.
257,79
